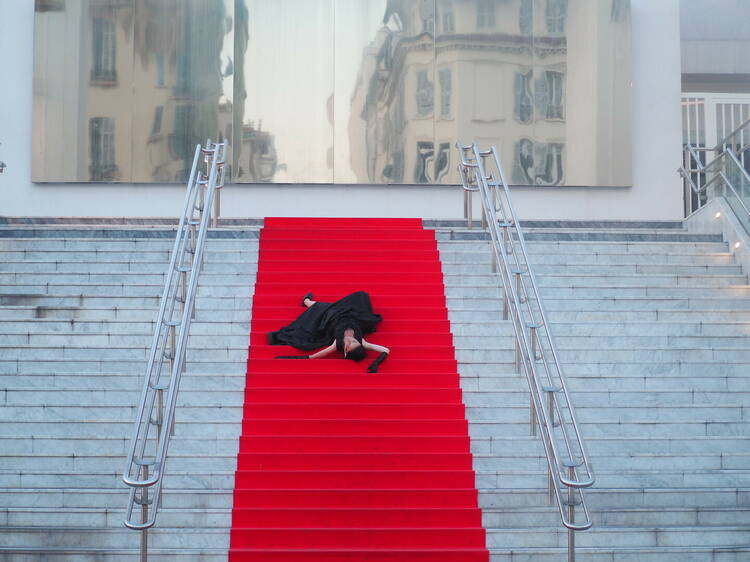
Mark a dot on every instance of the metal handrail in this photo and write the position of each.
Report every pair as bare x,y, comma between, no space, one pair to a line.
536,353
720,145
148,449
692,164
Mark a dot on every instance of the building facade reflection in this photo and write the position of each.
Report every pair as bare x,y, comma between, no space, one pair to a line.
342,91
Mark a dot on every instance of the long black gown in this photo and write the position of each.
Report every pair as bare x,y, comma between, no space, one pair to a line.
324,322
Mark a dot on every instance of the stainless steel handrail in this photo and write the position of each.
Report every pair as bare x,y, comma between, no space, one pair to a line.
722,143
148,449
692,164
552,409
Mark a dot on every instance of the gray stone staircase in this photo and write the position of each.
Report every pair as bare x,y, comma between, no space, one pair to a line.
651,320
77,307
653,326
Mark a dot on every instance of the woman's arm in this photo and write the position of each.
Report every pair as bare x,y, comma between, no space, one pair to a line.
374,347
323,352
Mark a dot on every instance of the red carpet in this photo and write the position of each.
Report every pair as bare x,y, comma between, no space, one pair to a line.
335,463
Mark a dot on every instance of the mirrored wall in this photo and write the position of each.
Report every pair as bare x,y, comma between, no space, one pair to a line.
332,91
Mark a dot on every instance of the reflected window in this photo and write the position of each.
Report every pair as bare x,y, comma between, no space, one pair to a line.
425,94
181,143
619,10
427,15
49,5
552,166
446,17
525,17
555,14
160,70
156,125
549,95
445,92
523,106
102,149
103,51
485,13
538,163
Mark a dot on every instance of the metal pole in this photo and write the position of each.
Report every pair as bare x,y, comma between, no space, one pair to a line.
144,515
217,207
571,516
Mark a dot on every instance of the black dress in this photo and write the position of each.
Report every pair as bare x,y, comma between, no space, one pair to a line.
325,322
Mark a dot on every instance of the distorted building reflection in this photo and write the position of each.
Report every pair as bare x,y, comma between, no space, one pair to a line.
333,91
146,83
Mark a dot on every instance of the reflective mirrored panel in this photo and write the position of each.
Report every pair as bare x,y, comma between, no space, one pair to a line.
124,89
385,91
182,84
83,72
345,91
287,122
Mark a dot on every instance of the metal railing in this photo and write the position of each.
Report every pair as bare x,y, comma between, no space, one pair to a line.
727,172
552,411
154,423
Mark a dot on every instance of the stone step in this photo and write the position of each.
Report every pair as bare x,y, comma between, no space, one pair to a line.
242,253
510,518
583,258
614,271
607,294
709,381
591,280
607,536
122,327
484,299
719,553
67,366
631,368
45,279
676,354
115,496
467,317
120,290
574,248
82,537
113,245
111,353
151,304
104,518
122,267
586,237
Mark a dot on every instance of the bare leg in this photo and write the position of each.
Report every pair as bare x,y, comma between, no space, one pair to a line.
309,302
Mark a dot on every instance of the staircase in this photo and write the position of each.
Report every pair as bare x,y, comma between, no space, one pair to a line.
652,323
77,307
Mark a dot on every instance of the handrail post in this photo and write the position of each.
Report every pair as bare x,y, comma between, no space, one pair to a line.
144,516
571,516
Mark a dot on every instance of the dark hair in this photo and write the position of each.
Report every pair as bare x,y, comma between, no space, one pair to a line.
357,354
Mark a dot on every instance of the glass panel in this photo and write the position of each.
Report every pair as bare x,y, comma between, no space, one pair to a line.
385,91
83,70
366,101
183,84
351,91
739,197
287,121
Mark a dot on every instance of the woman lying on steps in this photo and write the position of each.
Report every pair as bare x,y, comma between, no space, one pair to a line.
340,326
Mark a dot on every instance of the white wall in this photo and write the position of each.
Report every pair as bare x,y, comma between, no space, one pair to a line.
656,192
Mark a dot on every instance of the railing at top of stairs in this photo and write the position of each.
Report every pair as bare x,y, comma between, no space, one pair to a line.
154,423
552,410
725,174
